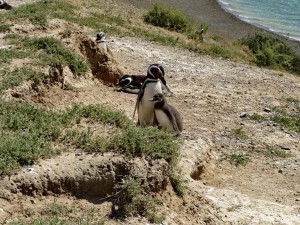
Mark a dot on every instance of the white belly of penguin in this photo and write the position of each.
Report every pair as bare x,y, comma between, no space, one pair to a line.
163,120
146,107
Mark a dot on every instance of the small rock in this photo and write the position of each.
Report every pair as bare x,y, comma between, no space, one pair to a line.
285,148
280,171
243,115
267,110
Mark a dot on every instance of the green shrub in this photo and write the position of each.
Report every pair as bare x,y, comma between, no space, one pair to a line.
272,52
133,200
6,55
4,28
237,159
172,19
150,141
18,76
56,53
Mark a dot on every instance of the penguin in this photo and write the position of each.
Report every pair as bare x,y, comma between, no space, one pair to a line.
167,116
151,86
102,43
133,83
4,5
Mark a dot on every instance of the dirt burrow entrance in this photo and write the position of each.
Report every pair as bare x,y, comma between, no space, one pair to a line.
83,175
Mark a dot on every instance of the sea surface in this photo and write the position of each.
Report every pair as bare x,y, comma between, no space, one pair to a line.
279,16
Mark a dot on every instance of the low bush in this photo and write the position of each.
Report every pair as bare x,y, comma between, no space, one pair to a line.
132,200
272,52
172,19
56,53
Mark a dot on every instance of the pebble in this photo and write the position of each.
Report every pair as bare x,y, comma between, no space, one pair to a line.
243,115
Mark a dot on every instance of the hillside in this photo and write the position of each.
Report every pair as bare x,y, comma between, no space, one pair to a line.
239,151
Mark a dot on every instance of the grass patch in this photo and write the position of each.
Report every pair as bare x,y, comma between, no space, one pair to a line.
18,76
177,183
257,118
63,215
272,52
55,53
4,28
134,200
137,141
239,133
276,152
6,55
28,133
237,159
172,19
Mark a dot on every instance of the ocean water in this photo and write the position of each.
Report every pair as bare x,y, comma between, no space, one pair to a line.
279,16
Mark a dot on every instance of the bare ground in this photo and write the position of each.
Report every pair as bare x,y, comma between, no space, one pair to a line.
210,94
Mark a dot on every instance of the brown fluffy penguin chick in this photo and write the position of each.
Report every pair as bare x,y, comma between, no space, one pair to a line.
166,115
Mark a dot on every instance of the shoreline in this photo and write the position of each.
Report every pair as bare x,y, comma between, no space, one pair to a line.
220,21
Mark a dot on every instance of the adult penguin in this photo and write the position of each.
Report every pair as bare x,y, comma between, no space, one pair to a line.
151,86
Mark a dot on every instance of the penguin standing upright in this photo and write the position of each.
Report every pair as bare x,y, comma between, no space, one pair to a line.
166,115
151,86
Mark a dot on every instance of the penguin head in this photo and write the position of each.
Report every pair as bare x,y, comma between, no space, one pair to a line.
156,71
157,98
124,81
100,36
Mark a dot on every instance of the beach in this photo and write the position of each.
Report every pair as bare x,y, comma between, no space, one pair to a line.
210,12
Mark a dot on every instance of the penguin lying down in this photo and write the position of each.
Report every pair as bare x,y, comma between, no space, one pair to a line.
166,115
133,83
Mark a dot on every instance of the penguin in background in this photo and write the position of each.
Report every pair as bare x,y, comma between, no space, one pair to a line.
102,43
151,86
167,116
5,6
133,83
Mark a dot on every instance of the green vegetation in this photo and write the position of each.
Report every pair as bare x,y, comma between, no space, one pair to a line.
239,133
172,19
272,52
18,76
27,133
287,116
177,183
6,55
276,152
4,28
237,159
54,53
133,200
63,215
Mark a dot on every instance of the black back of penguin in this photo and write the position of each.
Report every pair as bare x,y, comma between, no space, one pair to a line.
131,83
